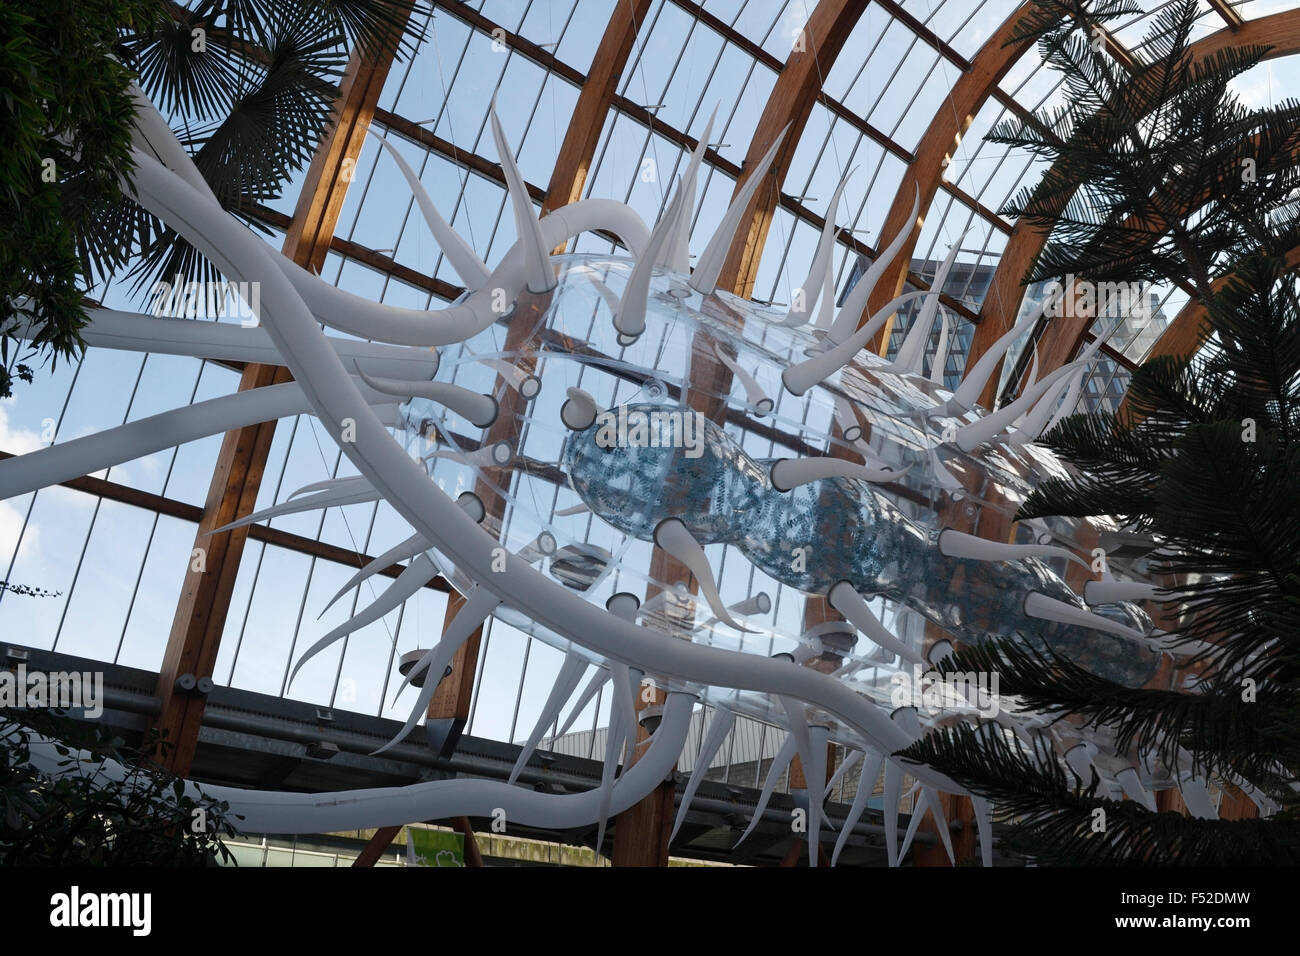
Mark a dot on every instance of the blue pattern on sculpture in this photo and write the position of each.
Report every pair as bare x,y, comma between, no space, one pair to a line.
855,533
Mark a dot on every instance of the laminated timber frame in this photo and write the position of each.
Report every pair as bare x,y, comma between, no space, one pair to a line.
200,617
204,603
1281,32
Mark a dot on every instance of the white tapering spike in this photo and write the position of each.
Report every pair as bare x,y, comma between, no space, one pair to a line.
708,267
972,384
754,393
673,536
1196,796
537,255
566,680
349,495
984,824
616,735
845,599
598,680
919,807
479,409
909,719
893,793
473,272
958,544
479,603
521,380
1111,592
856,302
721,725
629,319
1049,609
846,417
789,473
676,254
815,773
1030,425
806,295
402,551
911,354
848,763
579,411
866,784
575,510
799,378
1033,369
826,310
779,763
759,603
943,477
1131,784
988,427
1079,759
625,682
355,482
420,572
1070,401
941,351
496,455
609,296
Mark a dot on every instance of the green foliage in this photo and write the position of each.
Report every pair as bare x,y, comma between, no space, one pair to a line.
86,817
64,142
247,84
1148,184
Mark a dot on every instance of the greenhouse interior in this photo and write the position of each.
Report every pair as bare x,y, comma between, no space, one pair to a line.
923,490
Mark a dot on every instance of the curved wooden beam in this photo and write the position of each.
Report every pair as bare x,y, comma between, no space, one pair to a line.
1184,336
925,172
797,87
1281,31
569,175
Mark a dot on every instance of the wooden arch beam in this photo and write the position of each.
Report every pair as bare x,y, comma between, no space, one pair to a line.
1281,31
209,584
797,88
569,175
937,145
1184,336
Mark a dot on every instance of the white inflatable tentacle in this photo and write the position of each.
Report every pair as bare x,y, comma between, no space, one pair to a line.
856,303
537,254
814,286
707,269
419,573
958,544
723,721
472,270
675,254
789,473
866,783
479,604
113,446
799,378
754,394
779,764
571,671
673,536
402,551
297,336
845,599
